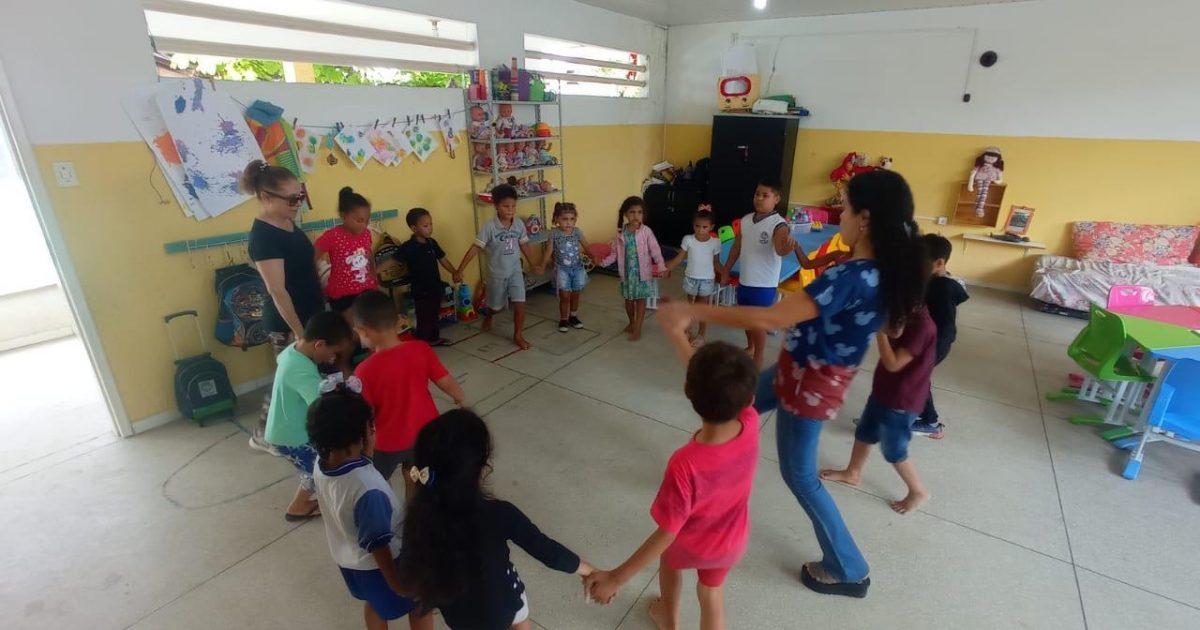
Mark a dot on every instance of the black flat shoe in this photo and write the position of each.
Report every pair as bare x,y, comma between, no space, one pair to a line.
845,589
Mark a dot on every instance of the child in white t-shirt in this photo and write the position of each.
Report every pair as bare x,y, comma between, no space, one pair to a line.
761,244
702,251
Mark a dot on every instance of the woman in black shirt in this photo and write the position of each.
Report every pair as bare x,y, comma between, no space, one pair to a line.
284,257
455,551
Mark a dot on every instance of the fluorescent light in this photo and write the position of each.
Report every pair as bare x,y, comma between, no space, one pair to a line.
760,4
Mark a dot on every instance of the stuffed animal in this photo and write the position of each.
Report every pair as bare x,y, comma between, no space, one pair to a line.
853,164
542,130
533,224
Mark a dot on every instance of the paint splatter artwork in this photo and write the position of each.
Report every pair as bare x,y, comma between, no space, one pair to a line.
142,109
211,139
308,147
420,142
354,144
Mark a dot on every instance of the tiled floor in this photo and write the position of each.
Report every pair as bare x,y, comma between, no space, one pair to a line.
1030,525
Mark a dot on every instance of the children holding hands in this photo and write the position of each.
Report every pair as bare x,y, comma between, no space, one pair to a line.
639,261
566,248
702,251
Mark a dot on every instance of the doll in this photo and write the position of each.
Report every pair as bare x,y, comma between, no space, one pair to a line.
544,155
480,161
502,162
989,169
505,123
531,154
479,127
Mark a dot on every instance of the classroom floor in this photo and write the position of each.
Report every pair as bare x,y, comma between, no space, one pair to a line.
1030,525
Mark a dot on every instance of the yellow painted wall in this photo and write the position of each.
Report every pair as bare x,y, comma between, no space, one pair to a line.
1064,179
114,226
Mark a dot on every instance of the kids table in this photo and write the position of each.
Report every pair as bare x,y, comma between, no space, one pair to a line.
1162,342
1185,316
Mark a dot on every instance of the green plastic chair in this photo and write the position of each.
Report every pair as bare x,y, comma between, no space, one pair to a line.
1100,350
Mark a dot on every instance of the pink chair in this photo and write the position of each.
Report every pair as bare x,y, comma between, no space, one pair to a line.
1124,295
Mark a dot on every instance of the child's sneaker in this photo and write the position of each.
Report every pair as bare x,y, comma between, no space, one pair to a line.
575,323
563,325
935,431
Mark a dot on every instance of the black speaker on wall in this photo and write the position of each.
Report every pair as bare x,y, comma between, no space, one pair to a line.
747,148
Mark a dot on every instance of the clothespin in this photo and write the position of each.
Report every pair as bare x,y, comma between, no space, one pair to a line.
393,121
376,124
294,120
408,120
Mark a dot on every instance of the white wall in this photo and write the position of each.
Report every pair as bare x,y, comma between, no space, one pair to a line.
70,63
1068,68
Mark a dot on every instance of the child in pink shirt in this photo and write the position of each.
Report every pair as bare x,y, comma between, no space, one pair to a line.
639,260
702,507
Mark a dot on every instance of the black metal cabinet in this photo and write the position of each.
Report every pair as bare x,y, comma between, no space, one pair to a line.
747,148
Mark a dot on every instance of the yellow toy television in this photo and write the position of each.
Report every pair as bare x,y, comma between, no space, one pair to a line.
737,92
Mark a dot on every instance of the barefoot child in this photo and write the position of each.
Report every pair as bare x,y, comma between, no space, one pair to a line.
639,261
455,555
761,244
702,507
395,381
702,251
898,394
566,248
504,239
942,299
296,386
422,255
362,522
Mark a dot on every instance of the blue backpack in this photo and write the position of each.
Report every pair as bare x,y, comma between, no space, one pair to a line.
243,298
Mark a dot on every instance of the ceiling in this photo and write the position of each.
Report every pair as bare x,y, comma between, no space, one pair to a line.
677,12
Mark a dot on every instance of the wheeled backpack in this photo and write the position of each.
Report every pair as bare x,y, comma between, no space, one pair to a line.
202,387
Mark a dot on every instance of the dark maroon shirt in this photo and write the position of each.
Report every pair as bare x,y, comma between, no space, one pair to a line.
907,389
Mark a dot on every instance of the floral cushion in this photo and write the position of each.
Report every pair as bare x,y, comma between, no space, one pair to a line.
1134,243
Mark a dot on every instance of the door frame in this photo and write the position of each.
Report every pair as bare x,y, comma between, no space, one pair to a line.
26,164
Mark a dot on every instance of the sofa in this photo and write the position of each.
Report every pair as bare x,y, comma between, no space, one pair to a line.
1106,254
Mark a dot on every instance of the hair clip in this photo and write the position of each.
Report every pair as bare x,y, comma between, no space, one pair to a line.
354,384
421,475
330,383
262,166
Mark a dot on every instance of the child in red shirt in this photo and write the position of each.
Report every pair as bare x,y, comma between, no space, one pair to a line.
348,247
702,507
898,396
395,381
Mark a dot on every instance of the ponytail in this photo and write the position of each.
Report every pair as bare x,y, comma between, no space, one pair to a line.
349,200
258,176
896,239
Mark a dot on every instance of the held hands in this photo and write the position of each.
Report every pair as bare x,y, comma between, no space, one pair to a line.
674,317
601,587
456,277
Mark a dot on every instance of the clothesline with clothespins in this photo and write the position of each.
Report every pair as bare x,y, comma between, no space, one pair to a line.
387,121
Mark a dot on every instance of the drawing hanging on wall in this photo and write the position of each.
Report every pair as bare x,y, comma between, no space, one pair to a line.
355,146
308,147
383,149
1019,218
148,121
212,139
421,143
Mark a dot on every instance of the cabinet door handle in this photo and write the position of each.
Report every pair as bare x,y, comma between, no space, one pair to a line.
745,152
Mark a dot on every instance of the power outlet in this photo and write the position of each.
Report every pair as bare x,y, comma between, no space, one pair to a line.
64,174
942,221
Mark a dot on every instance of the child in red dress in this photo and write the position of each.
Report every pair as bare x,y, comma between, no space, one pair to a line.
702,507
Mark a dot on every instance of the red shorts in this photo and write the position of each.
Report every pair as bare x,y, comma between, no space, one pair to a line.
712,578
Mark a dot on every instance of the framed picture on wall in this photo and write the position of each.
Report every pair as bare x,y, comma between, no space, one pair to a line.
1019,218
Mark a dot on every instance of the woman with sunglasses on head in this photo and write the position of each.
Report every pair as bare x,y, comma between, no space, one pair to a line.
285,258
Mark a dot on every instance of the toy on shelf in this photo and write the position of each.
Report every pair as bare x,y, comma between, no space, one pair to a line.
737,85
543,130
480,129
477,91
885,164
853,164
465,305
545,157
505,123
502,159
533,224
989,169
480,159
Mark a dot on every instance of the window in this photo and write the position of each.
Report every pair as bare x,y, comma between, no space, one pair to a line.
308,41
586,69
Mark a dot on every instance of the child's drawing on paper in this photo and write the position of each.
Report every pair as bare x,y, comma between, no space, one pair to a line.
148,120
355,146
212,140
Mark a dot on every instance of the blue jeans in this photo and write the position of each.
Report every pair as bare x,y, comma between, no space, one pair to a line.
890,428
797,439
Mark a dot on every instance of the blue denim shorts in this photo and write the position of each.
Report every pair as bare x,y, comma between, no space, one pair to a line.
698,287
570,278
891,429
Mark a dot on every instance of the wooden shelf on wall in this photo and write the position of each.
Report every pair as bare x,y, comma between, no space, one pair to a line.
964,208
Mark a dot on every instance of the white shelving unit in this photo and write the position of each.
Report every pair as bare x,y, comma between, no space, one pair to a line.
484,181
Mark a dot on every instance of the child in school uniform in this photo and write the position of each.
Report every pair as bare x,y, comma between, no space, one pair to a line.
702,251
760,245
362,515
702,507
422,254
942,299
504,239
396,380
